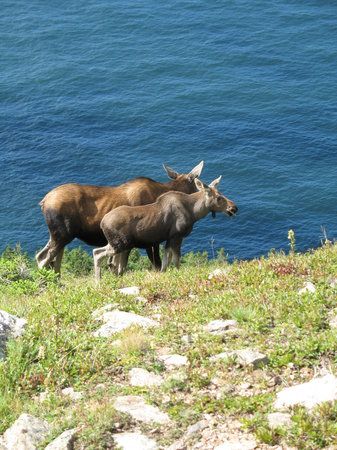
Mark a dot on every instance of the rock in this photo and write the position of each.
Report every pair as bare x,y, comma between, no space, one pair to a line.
278,419
237,444
98,313
333,282
223,355
63,442
173,361
194,429
100,387
219,327
177,376
274,381
187,339
116,321
177,445
10,327
245,389
26,433
132,290
308,287
333,322
139,410
250,357
310,394
157,316
132,441
41,397
333,319
218,273
246,357
72,394
142,377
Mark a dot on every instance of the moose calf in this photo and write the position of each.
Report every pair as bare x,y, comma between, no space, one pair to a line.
170,219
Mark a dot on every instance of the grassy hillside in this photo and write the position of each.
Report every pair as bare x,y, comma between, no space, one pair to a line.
59,350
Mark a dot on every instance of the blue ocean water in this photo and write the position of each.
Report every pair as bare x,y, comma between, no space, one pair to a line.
99,92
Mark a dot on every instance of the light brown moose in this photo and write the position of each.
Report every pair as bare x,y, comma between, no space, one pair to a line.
75,211
170,219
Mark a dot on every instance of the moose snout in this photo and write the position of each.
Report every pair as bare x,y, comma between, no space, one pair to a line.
231,209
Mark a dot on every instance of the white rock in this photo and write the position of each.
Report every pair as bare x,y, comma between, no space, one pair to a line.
42,396
26,433
308,287
194,429
139,410
218,273
187,339
246,357
310,394
223,355
333,319
142,377
133,441
98,313
63,442
10,327
72,394
333,282
251,357
132,290
237,444
278,419
173,361
116,321
219,327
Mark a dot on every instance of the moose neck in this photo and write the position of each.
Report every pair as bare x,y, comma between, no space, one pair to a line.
173,185
198,204
181,185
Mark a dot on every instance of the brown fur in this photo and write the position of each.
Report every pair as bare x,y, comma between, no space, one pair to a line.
170,219
75,211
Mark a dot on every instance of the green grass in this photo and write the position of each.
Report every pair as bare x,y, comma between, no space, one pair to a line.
58,349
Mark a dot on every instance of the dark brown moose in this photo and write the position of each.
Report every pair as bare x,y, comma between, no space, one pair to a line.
75,211
170,219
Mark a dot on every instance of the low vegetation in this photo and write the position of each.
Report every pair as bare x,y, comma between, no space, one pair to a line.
59,350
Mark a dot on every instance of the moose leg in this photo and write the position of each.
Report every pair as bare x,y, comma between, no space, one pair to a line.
154,256
42,254
167,256
54,249
113,262
56,264
122,261
118,263
176,251
99,254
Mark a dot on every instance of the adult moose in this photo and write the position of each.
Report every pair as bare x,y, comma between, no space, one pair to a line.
170,219
75,211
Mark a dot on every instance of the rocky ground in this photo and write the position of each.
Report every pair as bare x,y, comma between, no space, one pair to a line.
214,356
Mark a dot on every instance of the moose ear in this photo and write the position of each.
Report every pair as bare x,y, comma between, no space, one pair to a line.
199,184
215,182
196,171
170,172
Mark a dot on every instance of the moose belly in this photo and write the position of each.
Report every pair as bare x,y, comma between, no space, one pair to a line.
94,238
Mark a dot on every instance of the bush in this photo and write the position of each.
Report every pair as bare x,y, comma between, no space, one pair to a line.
77,262
18,273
